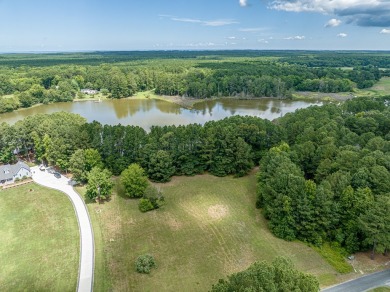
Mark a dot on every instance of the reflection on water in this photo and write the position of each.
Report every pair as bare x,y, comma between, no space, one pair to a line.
148,112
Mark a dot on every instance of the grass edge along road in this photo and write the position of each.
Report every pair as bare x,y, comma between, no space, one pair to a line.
39,240
209,228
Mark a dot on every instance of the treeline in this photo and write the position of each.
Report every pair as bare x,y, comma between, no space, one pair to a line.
230,146
310,58
194,74
331,181
348,59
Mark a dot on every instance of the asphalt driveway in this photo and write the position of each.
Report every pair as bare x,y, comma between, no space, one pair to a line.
362,284
85,279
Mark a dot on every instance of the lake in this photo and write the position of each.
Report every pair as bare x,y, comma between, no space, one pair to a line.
148,112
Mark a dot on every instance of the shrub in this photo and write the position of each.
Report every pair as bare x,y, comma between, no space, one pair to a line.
151,192
104,91
144,263
335,256
145,205
153,199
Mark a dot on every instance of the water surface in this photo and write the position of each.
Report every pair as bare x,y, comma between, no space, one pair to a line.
148,112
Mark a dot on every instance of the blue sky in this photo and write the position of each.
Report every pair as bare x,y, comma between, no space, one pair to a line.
83,25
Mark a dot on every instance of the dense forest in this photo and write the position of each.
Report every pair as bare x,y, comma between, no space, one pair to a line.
324,171
329,182
26,80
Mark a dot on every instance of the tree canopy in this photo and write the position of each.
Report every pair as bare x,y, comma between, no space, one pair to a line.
99,184
278,276
134,181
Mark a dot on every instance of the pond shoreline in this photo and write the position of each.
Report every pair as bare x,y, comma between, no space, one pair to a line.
146,112
189,102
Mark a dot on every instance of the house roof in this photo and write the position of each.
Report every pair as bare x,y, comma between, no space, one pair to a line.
5,172
8,171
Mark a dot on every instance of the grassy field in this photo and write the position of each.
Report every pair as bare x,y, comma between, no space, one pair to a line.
39,240
186,102
208,229
379,89
381,289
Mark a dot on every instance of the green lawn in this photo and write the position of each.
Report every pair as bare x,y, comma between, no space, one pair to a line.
208,229
381,289
39,240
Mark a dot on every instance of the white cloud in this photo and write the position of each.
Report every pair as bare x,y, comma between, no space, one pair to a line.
243,3
297,37
263,41
362,12
219,22
252,29
324,6
342,35
333,22
191,20
385,31
216,22
231,38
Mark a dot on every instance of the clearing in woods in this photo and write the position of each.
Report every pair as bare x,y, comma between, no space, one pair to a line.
208,228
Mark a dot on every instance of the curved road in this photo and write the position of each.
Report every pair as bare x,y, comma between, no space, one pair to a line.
85,279
362,284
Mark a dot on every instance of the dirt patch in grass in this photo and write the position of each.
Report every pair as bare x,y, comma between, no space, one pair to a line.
173,223
218,211
363,263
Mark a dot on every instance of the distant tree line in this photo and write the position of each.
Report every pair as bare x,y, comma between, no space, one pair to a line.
199,76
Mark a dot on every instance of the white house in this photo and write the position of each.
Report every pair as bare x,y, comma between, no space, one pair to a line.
8,173
89,91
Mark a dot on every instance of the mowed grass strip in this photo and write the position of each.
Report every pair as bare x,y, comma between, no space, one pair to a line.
208,229
39,240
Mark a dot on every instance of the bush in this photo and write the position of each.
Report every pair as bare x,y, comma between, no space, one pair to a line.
104,91
145,205
144,263
335,256
153,199
151,192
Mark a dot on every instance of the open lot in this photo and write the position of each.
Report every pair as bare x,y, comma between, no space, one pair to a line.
208,229
379,89
39,240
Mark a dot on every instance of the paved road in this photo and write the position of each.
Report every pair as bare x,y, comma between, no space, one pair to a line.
85,279
362,284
